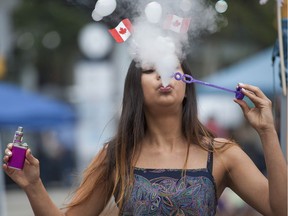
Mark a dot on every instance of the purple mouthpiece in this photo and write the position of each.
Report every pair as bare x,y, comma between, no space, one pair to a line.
239,95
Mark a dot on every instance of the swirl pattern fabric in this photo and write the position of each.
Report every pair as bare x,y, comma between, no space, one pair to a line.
168,192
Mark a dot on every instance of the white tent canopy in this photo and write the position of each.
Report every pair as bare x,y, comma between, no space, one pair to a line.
255,70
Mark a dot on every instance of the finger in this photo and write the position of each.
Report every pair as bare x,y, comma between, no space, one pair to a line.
8,170
10,145
8,152
5,159
27,162
256,90
31,159
252,96
258,101
5,167
243,105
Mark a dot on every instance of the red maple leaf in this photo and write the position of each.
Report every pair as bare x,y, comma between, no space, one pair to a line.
176,23
122,31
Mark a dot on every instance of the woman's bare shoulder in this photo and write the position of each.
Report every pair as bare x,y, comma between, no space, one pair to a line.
229,151
224,144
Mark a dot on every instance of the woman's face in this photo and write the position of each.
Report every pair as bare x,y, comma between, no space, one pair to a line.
156,95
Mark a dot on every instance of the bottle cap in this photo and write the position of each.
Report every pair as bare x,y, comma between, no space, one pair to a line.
18,137
20,129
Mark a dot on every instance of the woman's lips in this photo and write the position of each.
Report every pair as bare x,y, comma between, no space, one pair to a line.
165,89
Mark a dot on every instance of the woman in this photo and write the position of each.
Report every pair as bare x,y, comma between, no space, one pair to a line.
163,161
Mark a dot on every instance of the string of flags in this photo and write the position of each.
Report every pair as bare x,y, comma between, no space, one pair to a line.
177,24
153,12
172,22
122,31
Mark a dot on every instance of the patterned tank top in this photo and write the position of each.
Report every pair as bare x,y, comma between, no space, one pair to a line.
168,192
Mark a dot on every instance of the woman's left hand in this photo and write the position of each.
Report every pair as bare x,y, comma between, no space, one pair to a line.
260,116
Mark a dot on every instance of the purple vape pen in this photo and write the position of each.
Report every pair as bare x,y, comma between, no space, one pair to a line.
17,159
189,79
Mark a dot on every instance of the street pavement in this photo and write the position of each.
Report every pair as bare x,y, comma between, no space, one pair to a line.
17,203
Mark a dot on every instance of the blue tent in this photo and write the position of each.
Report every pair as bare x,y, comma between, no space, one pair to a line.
255,70
19,107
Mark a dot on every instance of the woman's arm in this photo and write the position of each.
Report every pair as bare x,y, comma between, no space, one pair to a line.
268,196
29,180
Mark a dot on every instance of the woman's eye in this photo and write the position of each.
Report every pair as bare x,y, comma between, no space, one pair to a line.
148,71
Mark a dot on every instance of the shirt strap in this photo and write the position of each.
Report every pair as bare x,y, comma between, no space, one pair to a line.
210,160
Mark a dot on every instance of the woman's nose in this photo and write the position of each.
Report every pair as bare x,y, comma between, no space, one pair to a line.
158,76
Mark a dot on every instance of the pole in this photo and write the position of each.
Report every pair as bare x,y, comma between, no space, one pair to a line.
281,47
284,120
282,37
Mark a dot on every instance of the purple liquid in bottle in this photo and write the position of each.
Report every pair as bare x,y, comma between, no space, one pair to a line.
17,159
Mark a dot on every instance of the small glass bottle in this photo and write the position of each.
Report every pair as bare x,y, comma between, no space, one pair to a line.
19,149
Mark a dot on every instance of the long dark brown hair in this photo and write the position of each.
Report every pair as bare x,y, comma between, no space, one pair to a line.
113,167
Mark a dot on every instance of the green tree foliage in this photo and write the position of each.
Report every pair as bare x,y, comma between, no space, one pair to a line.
251,22
40,18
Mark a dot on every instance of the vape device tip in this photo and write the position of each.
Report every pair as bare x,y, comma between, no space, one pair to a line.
20,129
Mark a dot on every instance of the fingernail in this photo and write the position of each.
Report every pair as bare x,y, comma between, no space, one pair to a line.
9,153
240,84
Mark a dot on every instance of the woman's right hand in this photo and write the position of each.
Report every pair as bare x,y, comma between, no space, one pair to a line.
30,173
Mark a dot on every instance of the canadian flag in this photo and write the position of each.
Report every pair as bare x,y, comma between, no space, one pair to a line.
122,31
176,23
